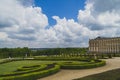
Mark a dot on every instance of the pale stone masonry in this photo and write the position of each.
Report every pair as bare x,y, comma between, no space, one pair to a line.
104,45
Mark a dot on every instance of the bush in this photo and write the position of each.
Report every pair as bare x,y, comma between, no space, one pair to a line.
61,58
42,67
24,68
9,60
34,75
83,66
32,72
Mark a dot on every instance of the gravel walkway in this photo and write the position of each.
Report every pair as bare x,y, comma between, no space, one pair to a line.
113,63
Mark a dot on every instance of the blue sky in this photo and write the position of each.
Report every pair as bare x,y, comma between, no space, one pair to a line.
57,23
61,8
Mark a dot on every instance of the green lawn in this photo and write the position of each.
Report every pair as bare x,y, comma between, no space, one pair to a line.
109,75
12,66
7,69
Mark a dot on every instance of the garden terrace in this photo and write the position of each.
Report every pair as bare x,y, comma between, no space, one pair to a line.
33,69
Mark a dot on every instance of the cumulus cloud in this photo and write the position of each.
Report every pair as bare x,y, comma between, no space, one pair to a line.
27,3
22,24
71,33
100,14
19,21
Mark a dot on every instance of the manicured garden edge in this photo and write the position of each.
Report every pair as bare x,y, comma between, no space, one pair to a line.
34,75
24,72
62,59
84,66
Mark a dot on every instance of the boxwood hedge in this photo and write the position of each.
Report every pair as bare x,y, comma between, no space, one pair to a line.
61,58
42,67
33,75
33,72
83,66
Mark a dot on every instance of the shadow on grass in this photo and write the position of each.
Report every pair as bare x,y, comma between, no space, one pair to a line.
108,75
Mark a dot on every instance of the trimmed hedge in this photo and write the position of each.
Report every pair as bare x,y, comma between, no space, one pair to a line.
25,68
42,67
10,60
34,75
62,58
39,71
83,66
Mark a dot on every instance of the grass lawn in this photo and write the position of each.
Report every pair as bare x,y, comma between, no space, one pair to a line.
12,66
109,75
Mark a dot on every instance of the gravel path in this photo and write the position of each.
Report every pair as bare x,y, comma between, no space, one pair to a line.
113,63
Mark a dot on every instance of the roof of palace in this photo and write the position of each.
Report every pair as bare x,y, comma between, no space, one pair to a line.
99,38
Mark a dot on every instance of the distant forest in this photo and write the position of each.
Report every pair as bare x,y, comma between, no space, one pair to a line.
29,52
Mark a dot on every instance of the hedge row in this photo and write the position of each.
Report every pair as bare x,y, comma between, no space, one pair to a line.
31,67
76,63
83,66
42,67
33,75
40,71
61,58
10,60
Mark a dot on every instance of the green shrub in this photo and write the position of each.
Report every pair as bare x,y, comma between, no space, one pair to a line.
34,75
83,66
61,58
32,72
42,67
30,67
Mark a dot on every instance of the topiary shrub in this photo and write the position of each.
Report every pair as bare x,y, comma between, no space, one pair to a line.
84,65
34,75
33,72
25,68
42,67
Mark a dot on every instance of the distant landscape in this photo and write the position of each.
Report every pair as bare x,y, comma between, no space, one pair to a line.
59,39
24,63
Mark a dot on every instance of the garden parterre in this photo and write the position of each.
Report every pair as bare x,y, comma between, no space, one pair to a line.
35,68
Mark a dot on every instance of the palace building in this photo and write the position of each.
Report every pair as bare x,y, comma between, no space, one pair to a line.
104,45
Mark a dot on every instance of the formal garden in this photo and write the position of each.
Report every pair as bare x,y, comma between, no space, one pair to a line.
25,64
31,69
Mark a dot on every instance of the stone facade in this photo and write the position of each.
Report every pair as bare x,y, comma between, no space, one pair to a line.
104,45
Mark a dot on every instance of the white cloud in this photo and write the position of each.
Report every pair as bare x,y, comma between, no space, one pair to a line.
3,36
103,16
22,24
100,14
71,33
109,19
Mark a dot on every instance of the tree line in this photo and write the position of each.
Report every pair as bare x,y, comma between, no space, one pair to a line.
60,51
27,52
14,52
